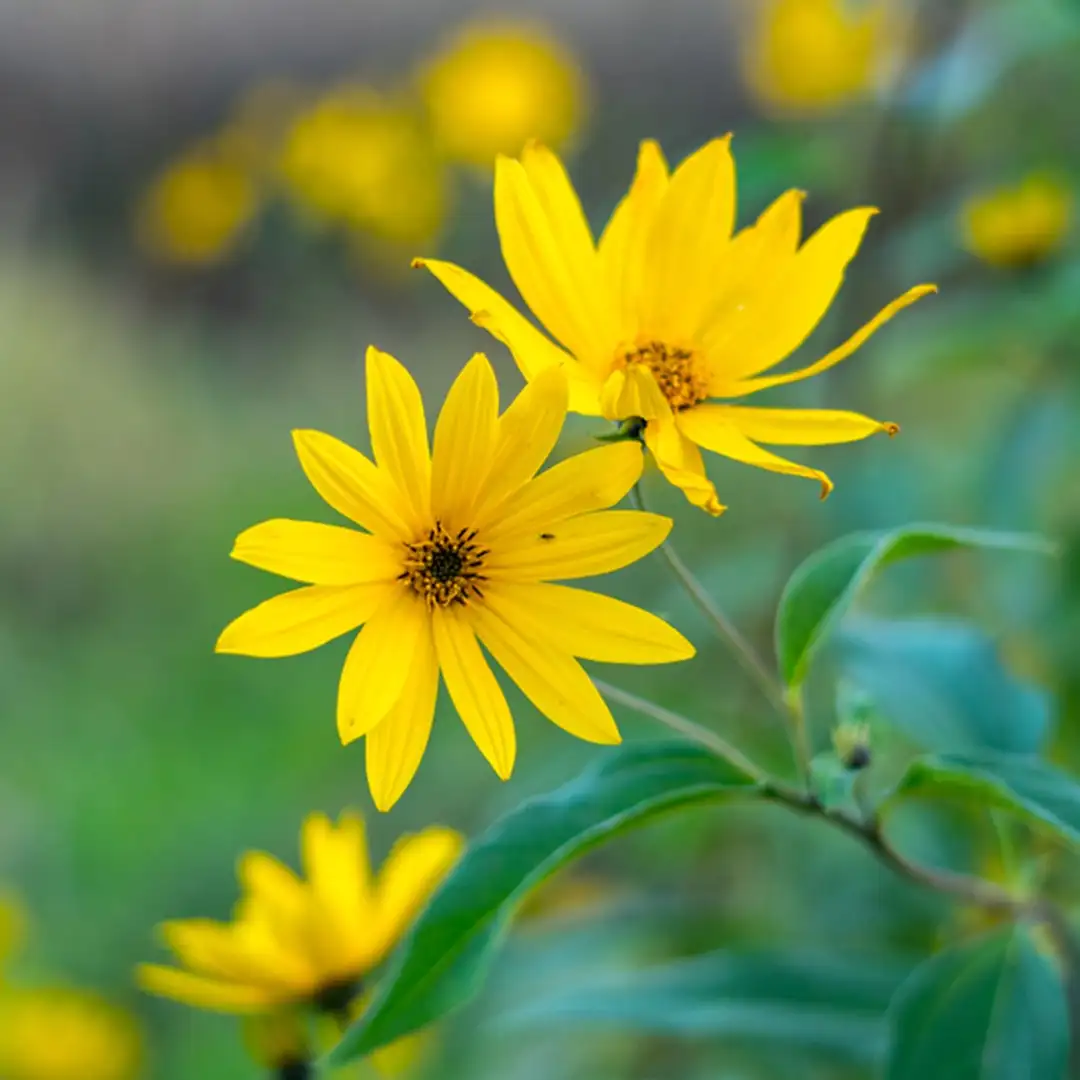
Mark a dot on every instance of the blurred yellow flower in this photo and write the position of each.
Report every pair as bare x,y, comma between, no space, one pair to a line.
357,159
196,211
1019,225
12,927
814,55
462,546
294,942
671,310
60,1034
495,85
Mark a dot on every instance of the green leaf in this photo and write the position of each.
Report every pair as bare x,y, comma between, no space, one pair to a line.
942,683
822,589
797,1001
443,961
993,1009
1023,785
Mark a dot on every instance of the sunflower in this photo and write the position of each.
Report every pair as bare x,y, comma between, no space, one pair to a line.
670,311
461,548
295,942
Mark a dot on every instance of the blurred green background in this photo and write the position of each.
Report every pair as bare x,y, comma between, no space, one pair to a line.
148,386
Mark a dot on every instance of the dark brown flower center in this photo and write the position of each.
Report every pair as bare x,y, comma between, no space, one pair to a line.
444,568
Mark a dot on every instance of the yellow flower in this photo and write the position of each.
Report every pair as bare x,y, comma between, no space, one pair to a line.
670,310
197,210
304,942
1019,225
363,161
12,927
461,547
495,85
814,55
60,1034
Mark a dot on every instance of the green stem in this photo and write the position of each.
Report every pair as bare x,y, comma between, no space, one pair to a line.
684,726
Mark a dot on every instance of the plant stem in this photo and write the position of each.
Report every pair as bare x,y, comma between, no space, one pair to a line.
684,726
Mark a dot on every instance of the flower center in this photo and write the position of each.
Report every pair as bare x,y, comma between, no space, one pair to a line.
444,568
676,372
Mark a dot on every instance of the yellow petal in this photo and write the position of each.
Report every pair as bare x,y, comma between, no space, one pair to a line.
394,749
474,691
320,554
274,895
563,292
336,865
799,298
465,437
592,480
399,432
301,620
379,662
527,433
632,391
679,461
622,245
752,386
352,484
710,429
532,351
413,870
744,285
579,547
206,947
549,677
587,624
801,427
686,246
204,992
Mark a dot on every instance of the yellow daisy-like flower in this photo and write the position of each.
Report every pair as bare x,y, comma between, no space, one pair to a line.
462,545
811,56
198,208
670,310
1019,225
362,160
62,1034
309,942
497,84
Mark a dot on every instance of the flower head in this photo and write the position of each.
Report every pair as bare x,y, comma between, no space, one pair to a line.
670,310
495,85
304,942
62,1034
1019,225
811,56
461,547
361,160
198,208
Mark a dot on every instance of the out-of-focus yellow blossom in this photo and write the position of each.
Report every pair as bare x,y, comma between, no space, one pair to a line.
304,942
494,85
671,311
358,159
1019,225
61,1034
464,546
815,55
197,209
12,927
257,123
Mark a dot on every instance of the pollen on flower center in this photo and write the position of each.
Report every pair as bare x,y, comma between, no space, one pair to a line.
677,372
444,568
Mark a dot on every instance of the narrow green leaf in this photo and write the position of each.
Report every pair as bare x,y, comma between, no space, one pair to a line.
822,589
797,1001
1023,785
992,1009
943,684
443,961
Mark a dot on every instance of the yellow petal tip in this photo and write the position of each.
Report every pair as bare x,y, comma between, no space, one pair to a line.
418,263
890,428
